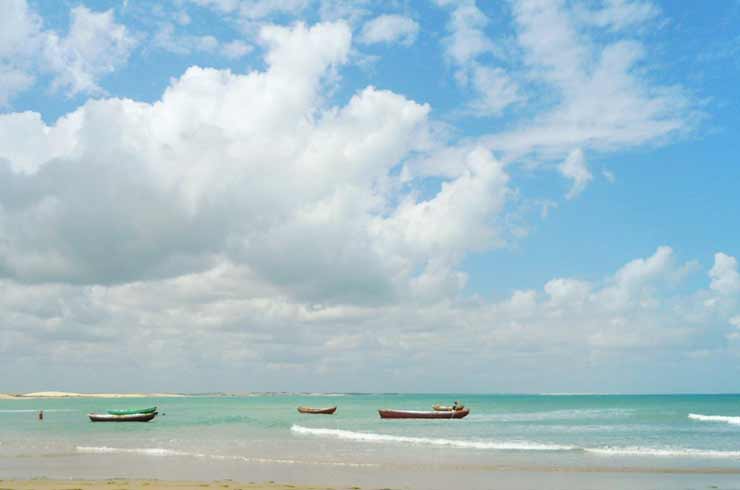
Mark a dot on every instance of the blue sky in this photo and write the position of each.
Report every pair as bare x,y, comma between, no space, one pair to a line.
529,189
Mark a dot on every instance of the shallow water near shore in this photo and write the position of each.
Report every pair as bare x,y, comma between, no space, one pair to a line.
575,439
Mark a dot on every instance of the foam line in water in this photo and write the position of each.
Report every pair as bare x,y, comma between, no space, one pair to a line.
522,446
149,451
158,451
664,452
428,441
734,420
516,445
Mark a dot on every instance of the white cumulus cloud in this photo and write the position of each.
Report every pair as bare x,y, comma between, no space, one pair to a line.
249,168
724,274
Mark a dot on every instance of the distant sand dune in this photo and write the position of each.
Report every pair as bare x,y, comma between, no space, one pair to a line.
65,394
43,484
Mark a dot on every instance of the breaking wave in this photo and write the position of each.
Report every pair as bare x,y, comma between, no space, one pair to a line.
515,445
715,418
664,452
428,441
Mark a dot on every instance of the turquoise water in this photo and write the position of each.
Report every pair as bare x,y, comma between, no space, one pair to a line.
643,433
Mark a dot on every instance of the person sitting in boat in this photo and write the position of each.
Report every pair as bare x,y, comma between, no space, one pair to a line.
456,405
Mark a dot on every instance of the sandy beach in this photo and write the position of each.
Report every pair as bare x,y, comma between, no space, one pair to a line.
509,481
121,484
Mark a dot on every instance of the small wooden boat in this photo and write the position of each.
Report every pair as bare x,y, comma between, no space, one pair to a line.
446,408
133,417
131,411
418,414
316,411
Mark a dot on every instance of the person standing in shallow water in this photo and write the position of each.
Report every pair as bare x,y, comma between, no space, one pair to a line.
41,415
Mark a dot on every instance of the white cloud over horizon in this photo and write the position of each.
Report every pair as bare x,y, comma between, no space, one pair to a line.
239,321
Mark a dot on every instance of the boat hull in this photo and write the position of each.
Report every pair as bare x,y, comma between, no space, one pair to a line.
136,417
132,411
317,411
413,414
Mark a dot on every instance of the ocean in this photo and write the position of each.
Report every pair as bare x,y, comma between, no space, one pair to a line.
262,437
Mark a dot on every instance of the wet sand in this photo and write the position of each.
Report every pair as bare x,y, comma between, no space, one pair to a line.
511,481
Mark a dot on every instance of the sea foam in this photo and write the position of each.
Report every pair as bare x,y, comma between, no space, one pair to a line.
149,451
158,451
428,441
515,445
734,420
664,452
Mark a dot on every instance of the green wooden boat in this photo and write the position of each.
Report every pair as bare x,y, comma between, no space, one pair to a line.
133,411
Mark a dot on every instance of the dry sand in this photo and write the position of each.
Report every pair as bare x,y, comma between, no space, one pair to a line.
116,484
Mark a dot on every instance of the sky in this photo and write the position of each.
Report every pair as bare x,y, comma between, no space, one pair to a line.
527,196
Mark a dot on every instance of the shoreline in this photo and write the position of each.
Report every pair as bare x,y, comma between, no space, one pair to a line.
69,394
511,479
64,394
148,484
